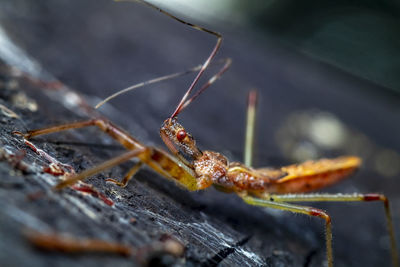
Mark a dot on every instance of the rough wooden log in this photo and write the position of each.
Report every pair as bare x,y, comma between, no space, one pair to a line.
215,228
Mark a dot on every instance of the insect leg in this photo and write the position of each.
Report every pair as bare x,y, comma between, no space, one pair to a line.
128,176
310,211
103,166
136,149
317,197
250,127
59,242
160,161
118,134
52,241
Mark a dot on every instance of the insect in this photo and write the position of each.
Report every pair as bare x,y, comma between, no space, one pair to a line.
195,170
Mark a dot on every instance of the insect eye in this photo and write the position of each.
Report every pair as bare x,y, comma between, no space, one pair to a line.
180,135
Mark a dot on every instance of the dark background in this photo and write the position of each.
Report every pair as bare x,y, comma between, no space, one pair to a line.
310,62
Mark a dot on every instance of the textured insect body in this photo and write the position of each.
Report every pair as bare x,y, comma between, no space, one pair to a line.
213,168
313,175
194,169
174,169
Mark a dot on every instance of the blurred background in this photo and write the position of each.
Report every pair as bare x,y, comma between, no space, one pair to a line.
328,76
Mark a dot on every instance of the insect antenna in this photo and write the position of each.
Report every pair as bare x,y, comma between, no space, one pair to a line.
205,64
184,104
155,80
167,77
185,101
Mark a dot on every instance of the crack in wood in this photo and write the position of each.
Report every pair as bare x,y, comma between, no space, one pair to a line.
309,258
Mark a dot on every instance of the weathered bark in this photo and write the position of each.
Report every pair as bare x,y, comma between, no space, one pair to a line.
215,228
158,207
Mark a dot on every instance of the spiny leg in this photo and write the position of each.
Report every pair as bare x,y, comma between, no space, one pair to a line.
318,197
250,128
128,176
118,134
158,160
310,211
103,166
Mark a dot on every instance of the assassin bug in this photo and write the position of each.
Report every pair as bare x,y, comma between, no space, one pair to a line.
194,169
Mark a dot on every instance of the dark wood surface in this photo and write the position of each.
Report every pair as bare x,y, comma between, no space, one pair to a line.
97,47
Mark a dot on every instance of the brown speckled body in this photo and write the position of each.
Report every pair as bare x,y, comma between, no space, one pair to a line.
194,170
213,168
